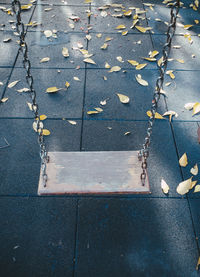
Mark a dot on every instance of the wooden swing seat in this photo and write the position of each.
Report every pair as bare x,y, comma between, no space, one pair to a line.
107,172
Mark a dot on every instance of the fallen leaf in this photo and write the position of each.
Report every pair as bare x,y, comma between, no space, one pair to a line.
1,83
88,37
98,35
23,90
127,133
154,53
170,114
89,61
115,68
92,112
120,27
142,29
150,59
157,115
176,46
164,186
108,39
67,84
189,106
123,98
7,40
132,62
44,60
43,117
76,79
26,7
170,73
52,89
65,52
196,108
124,33
48,33
193,183
197,188
186,27
119,58
104,46
30,106
167,84
103,13
105,78
180,61
183,160
184,186
194,170
83,51
141,81
3,100
99,109
11,85
160,61
128,13
107,65
141,66
46,132
104,102
72,122
37,124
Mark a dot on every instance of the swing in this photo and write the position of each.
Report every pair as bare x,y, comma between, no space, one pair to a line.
106,172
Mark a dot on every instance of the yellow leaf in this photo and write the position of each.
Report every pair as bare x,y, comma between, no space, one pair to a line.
167,84
76,79
197,188
157,115
46,132
189,106
72,122
67,84
160,61
52,89
193,183
198,263
104,46
37,124
119,58
43,117
194,170
123,98
127,133
170,73
180,61
141,81
108,39
142,29
183,160
124,33
92,112
48,33
141,66
132,62
153,53
7,40
98,35
135,21
115,68
170,114
196,21
150,59
23,90
186,27
164,186
65,52
88,60
30,106
11,85
3,100
120,27
83,51
26,7
128,13
107,65
184,186
44,60
196,108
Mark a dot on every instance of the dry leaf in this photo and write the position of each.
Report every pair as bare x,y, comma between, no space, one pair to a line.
104,102
92,112
26,7
104,46
127,133
43,117
154,53
157,115
76,79
88,37
7,40
52,89
141,81
65,52
189,106
186,27
167,84
120,27
98,35
119,58
108,39
170,114
193,183
196,108
160,61
107,65
141,66
124,33
115,68
1,83
197,188
89,61
48,33
184,186
180,61
132,62
183,160
99,109
3,100
123,98
142,29
170,73
30,106
44,60
67,84
150,59
128,13
35,125
194,170
46,132
72,122
164,186
12,84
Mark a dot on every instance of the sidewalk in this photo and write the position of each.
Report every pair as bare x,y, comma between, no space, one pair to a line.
98,236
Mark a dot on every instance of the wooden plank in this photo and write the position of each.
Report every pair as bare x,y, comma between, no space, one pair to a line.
109,172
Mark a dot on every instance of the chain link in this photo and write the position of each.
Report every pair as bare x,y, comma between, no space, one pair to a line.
144,152
16,6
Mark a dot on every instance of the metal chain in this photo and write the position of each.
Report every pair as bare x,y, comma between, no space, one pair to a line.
144,152
16,6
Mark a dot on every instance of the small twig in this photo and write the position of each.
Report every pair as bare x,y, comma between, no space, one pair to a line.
5,146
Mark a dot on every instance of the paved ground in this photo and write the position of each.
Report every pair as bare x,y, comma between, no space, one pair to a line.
154,235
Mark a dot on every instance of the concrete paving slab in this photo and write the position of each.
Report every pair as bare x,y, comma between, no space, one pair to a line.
9,49
184,89
20,162
64,103
187,52
59,18
187,142
105,135
63,2
39,47
124,83
4,73
127,4
37,236
132,237
130,47
108,24
194,206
